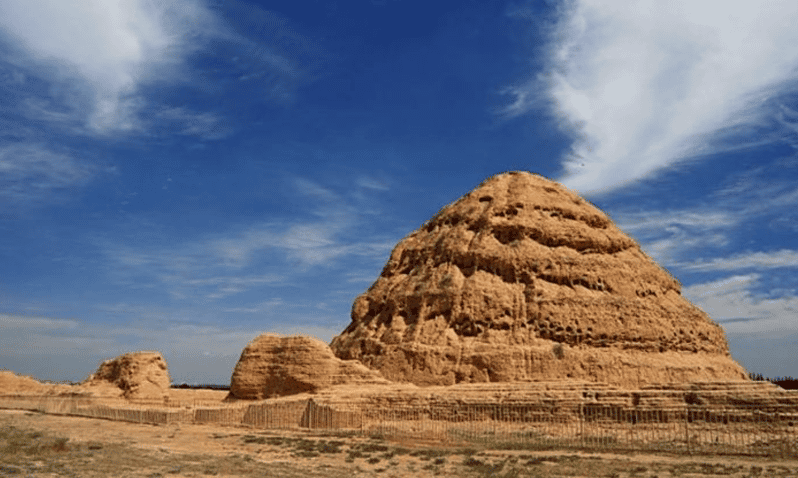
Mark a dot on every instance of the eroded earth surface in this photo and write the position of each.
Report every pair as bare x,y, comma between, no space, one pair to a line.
39,445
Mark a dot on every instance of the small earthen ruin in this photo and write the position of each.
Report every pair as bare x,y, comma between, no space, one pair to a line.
274,366
137,375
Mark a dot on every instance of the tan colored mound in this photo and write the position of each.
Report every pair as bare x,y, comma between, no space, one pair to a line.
273,366
519,280
138,375
11,383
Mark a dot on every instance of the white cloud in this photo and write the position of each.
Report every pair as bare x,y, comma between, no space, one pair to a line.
222,265
731,302
97,56
9,321
784,258
309,243
111,46
684,218
266,306
198,269
644,84
668,235
184,122
372,183
31,172
668,251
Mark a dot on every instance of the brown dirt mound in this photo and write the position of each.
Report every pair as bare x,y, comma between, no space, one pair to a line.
137,375
273,366
521,280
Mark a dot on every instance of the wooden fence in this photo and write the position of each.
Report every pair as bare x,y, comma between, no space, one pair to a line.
760,430
746,430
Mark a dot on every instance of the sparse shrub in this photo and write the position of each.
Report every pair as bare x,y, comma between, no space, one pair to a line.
471,461
558,351
428,454
372,447
485,469
306,454
350,457
60,444
397,451
253,439
330,447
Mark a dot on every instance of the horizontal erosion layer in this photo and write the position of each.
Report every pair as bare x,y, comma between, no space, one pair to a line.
413,261
452,214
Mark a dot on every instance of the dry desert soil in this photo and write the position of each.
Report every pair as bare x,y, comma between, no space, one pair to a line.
39,445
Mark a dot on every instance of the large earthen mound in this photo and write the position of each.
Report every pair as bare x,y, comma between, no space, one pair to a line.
137,375
274,366
523,280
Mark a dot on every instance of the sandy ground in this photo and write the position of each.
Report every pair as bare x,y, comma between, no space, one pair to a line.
29,446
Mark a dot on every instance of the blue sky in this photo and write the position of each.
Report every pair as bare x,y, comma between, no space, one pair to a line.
184,175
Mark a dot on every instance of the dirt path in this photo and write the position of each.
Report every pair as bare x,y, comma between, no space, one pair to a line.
30,446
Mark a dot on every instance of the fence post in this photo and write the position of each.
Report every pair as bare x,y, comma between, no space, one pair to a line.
580,423
687,429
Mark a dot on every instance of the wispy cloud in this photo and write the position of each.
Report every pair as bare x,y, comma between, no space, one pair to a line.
179,120
731,302
254,256
765,189
110,47
784,258
86,65
266,306
372,183
643,84
683,218
667,236
29,173
195,270
9,321
78,69
30,335
308,243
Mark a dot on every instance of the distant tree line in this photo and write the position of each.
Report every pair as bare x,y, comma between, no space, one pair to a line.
787,383
202,387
